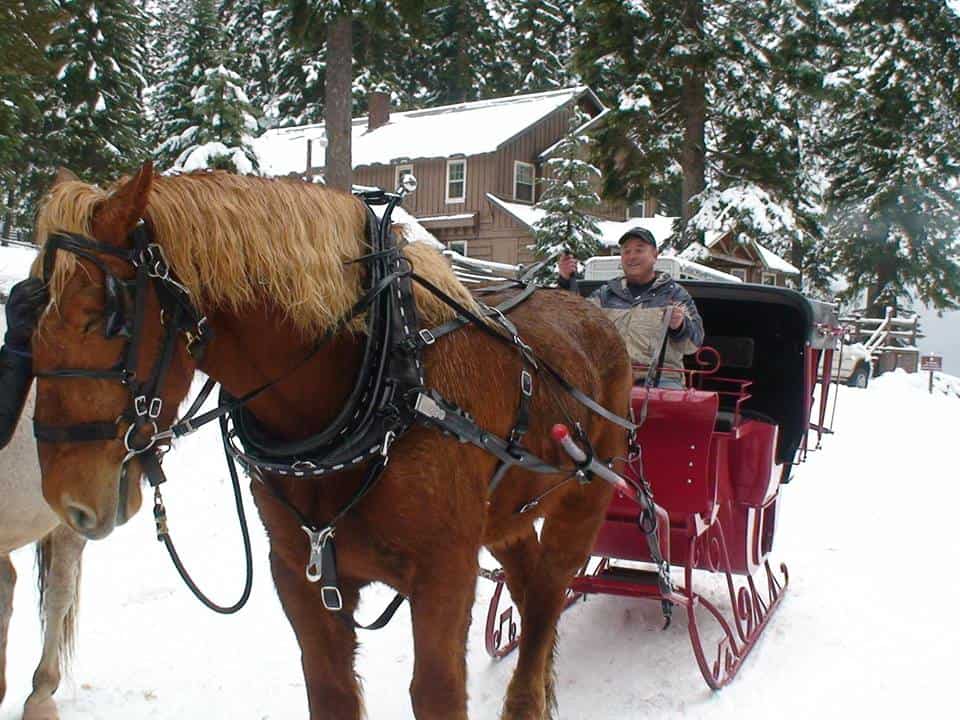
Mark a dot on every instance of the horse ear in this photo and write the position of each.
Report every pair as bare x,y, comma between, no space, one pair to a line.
120,212
64,175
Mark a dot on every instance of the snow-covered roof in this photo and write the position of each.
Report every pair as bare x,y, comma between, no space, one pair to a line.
611,230
695,252
770,259
583,128
413,230
774,261
463,129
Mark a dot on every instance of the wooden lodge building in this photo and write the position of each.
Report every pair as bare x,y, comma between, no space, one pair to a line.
479,166
744,258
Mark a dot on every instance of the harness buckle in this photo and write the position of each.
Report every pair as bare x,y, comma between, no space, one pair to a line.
159,267
187,428
426,405
526,383
321,567
156,406
387,442
331,598
140,405
317,540
427,337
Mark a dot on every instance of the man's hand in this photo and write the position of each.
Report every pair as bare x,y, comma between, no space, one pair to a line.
676,317
27,298
567,266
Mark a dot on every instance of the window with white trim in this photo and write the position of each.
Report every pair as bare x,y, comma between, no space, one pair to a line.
401,171
739,273
524,176
456,180
458,246
638,209
768,278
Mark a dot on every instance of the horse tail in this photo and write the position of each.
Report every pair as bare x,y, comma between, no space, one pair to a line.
45,549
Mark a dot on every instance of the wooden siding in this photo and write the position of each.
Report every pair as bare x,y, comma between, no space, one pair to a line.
494,235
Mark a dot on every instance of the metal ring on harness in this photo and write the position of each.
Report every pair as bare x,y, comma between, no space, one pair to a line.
131,451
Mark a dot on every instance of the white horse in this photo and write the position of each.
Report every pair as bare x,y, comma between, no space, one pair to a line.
24,519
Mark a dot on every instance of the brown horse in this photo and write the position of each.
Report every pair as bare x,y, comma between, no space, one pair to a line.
266,260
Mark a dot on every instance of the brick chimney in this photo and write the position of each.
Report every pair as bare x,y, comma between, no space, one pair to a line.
378,110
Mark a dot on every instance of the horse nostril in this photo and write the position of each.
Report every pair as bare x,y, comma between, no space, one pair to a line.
81,517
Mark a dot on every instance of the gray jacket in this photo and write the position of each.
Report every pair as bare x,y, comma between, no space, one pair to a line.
638,319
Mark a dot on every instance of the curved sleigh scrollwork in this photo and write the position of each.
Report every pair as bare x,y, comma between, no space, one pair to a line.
502,634
750,610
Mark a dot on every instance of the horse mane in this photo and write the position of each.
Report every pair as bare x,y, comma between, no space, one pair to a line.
235,241
68,207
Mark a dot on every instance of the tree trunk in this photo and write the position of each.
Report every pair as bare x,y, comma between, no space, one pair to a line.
6,223
338,99
693,106
876,302
797,251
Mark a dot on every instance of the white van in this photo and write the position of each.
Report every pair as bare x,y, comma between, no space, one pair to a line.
607,267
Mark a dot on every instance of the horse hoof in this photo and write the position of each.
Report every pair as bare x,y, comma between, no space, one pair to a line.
43,710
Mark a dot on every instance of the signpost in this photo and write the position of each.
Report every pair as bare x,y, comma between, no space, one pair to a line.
932,363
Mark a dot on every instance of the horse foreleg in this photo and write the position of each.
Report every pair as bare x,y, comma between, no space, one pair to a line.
519,558
440,607
328,642
565,543
60,552
8,578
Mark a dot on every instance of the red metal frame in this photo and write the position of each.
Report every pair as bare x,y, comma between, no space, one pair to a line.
718,489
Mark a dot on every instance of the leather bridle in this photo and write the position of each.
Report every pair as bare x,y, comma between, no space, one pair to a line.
180,316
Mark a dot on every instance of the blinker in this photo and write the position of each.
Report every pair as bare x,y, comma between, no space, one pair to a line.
115,309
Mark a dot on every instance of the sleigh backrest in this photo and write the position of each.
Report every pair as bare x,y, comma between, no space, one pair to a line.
675,439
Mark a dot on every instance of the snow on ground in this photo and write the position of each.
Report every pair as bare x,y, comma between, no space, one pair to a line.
866,628
15,263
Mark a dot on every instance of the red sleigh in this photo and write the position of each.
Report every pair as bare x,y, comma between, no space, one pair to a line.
715,455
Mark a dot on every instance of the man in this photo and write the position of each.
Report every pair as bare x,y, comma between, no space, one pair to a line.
636,301
27,298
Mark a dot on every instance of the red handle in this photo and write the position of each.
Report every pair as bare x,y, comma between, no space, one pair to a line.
560,432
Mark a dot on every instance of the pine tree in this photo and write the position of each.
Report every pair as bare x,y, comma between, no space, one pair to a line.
714,102
636,55
540,35
250,50
333,21
224,126
195,46
568,196
24,73
465,52
893,155
764,176
95,114
298,66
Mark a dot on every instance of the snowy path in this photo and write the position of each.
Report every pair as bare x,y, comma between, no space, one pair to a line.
866,629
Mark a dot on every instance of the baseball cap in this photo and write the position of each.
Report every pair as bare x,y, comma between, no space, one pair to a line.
640,233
